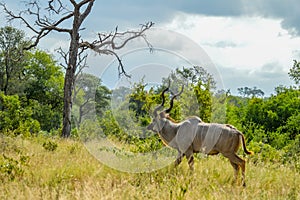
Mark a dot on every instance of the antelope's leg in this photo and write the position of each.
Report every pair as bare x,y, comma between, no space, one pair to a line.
191,162
190,158
243,166
236,169
239,162
179,158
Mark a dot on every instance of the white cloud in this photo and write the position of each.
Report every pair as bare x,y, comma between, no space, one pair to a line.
251,41
244,43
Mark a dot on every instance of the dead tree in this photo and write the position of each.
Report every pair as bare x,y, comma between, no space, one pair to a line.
52,17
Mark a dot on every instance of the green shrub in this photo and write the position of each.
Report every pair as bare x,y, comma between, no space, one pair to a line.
88,130
278,140
50,145
292,154
15,117
264,153
11,168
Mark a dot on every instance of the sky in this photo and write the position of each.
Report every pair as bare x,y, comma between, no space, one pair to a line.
241,42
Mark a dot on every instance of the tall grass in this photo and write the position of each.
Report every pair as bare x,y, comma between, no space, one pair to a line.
34,168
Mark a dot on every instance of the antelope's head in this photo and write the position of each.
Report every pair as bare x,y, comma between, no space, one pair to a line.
159,118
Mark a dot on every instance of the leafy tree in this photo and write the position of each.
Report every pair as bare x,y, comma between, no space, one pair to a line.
292,153
219,106
235,110
252,115
188,103
44,89
204,98
44,79
33,76
89,96
251,92
12,42
102,98
16,117
198,84
141,101
291,128
119,95
54,16
202,84
294,72
272,120
137,101
278,109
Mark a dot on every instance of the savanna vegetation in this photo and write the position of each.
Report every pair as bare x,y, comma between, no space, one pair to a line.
54,168
35,162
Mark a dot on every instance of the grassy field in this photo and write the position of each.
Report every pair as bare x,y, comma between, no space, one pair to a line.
43,168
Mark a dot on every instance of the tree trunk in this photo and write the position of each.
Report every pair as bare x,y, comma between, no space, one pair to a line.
72,64
69,81
67,115
7,73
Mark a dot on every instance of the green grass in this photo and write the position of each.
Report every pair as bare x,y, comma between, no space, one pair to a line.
34,168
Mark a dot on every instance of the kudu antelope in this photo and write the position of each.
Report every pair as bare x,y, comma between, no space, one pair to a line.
193,136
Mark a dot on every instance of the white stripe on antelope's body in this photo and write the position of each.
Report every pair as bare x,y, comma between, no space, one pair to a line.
192,136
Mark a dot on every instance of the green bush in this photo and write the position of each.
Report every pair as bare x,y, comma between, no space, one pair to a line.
50,145
88,130
264,153
16,117
109,125
292,153
278,139
11,168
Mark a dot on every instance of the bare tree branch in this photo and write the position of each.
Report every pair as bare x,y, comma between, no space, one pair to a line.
53,8
107,44
87,10
81,60
64,56
42,26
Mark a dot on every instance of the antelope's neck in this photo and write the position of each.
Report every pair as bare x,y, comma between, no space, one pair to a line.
168,131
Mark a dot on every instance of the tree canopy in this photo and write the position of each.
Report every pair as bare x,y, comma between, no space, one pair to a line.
294,72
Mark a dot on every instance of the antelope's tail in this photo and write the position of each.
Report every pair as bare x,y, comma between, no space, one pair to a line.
244,145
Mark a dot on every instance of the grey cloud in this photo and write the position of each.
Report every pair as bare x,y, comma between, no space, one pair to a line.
132,12
270,71
107,15
286,10
213,7
138,11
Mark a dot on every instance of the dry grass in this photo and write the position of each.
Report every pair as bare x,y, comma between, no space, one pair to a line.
70,172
